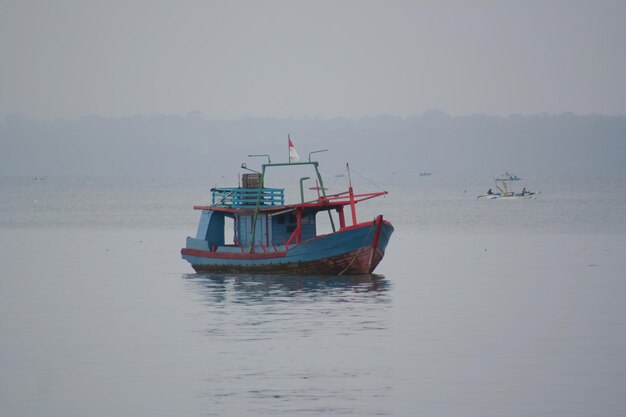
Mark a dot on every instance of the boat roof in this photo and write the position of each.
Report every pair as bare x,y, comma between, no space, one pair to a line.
328,202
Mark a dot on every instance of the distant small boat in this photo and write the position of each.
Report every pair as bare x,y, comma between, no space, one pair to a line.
425,174
510,177
505,191
270,236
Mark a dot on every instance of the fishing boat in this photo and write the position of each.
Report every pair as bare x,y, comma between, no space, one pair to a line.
505,191
271,236
510,177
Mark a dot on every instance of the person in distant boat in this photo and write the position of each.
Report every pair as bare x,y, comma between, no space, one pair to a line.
489,191
524,192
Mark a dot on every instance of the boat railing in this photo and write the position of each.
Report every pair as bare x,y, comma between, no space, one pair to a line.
248,197
344,197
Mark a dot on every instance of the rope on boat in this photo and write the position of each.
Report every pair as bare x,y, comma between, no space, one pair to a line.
360,249
367,179
225,197
338,177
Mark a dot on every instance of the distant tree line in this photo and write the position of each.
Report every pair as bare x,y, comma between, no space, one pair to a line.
162,145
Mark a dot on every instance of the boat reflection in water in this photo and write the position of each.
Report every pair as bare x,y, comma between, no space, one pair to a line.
280,288
289,344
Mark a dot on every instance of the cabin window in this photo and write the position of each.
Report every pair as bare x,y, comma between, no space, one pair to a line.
286,218
283,226
322,223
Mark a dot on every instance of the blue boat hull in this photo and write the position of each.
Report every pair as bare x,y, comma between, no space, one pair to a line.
353,250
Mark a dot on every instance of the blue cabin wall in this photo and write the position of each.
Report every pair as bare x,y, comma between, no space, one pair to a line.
243,225
211,227
203,224
308,226
270,230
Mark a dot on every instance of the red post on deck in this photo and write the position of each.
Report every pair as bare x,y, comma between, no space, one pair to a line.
298,225
342,218
378,221
352,205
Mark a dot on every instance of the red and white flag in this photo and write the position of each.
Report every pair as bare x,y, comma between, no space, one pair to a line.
293,154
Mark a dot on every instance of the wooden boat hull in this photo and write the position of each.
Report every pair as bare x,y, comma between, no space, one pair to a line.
353,250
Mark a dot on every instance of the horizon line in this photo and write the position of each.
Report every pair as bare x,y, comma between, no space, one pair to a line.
199,116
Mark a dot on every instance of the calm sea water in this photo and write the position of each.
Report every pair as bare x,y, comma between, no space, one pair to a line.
480,308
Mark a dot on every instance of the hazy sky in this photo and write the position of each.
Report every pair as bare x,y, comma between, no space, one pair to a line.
232,59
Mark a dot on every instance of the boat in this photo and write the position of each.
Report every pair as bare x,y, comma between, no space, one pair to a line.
425,174
270,236
505,191
510,177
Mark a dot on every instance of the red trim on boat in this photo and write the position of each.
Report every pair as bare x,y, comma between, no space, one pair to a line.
368,223
379,226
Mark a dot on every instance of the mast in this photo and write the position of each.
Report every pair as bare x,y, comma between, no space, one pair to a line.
319,177
352,203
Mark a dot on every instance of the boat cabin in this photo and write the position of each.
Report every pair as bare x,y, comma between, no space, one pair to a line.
273,228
